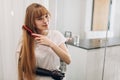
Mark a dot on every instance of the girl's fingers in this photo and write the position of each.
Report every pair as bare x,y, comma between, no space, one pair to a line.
37,38
36,35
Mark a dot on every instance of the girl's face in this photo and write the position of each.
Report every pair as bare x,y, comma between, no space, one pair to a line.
42,22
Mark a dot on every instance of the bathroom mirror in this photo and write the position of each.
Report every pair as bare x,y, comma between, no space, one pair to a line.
101,15
83,18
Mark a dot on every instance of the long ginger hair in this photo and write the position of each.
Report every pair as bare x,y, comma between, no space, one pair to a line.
27,61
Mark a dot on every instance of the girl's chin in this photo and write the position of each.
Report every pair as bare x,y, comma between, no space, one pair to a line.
46,28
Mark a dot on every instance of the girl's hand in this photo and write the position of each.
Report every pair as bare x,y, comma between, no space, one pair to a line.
41,39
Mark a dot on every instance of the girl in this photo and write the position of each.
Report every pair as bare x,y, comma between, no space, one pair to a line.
43,48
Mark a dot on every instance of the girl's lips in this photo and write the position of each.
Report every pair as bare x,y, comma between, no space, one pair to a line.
45,25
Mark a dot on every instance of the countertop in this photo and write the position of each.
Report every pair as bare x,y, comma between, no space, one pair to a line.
90,44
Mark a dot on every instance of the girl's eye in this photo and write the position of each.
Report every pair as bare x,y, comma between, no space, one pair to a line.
39,18
46,16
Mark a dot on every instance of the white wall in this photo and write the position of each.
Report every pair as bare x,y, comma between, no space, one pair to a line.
71,16
8,40
115,22
1,23
53,12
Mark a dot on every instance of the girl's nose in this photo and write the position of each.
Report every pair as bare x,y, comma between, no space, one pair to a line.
45,20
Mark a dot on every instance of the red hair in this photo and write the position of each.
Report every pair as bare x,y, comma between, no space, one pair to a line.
27,61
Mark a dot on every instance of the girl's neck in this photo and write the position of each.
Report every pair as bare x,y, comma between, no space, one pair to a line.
44,32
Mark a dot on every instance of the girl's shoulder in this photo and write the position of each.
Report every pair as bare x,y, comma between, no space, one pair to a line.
56,32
